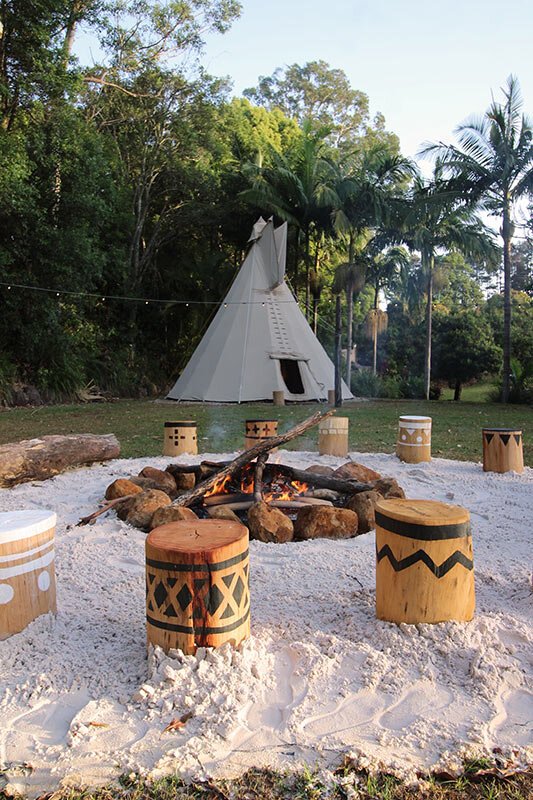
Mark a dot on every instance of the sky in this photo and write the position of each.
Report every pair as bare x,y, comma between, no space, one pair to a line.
425,65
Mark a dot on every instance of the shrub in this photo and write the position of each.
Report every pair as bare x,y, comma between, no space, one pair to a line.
366,384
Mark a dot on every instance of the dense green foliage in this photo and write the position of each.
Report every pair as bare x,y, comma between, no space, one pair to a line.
128,190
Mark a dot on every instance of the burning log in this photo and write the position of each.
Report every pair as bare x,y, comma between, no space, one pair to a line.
188,498
320,481
258,477
235,502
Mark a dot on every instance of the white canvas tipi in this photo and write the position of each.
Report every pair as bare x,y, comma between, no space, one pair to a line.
259,341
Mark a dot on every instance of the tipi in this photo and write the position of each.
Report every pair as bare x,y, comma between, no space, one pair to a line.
259,341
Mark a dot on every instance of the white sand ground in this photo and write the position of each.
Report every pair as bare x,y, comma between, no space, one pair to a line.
320,677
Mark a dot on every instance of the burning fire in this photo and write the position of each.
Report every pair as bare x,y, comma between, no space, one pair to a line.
278,489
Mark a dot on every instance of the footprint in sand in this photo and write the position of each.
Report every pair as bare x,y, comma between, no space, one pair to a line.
421,476
344,715
515,720
105,725
47,725
129,564
423,700
274,708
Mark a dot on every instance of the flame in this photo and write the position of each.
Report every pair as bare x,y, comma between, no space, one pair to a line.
220,486
279,488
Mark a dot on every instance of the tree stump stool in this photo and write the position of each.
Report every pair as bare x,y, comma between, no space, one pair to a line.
27,575
278,397
424,562
502,450
257,430
414,439
180,437
333,436
197,591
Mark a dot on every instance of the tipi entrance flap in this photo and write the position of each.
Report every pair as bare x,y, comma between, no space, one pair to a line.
291,356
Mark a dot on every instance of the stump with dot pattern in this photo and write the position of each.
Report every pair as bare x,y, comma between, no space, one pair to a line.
27,575
414,439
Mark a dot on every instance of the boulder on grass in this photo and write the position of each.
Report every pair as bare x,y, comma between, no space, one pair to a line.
164,480
364,505
352,471
325,522
162,516
388,487
142,507
121,488
269,524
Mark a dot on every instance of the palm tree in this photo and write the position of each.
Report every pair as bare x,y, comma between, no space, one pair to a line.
437,219
297,188
350,277
382,270
364,190
495,160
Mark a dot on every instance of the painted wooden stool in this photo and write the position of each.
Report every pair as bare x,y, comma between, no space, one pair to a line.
333,436
257,430
27,574
197,591
424,562
502,450
180,437
414,439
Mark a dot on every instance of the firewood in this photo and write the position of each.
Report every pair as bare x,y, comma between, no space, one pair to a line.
320,481
258,477
107,507
38,459
257,450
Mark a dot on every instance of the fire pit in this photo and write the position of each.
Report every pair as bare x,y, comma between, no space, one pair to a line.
278,502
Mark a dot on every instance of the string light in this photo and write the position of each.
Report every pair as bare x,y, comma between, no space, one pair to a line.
145,300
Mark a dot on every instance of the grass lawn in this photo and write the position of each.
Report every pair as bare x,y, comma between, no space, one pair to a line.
138,424
477,783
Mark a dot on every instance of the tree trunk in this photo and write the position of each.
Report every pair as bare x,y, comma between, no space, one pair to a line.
349,331
338,345
74,17
375,332
458,390
507,232
315,315
429,318
38,459
307,279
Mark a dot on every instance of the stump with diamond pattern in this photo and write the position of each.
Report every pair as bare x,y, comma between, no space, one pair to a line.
197,592
502,450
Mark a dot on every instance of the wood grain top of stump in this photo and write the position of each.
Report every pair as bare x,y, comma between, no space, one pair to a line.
423,512
204,538
502,430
